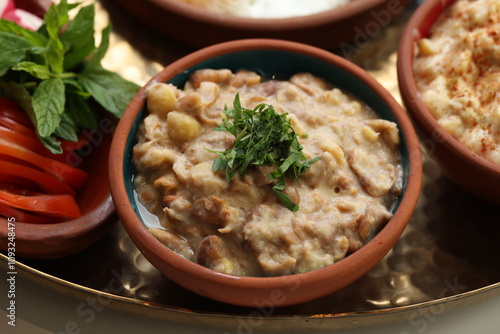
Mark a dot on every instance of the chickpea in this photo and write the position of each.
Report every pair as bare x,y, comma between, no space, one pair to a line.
182,127
161,99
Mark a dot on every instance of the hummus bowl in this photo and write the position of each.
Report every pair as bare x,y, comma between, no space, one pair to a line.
453,121
276,59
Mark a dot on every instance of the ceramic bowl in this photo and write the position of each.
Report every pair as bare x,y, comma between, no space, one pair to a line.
270,58
474,173
197,27
47,241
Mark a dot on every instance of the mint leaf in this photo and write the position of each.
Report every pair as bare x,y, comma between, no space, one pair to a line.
102,49
54,54
36,70
13,49
66,129
80,111
73,59
108,88
78,38
48,105
33,37
52,144
63,9
74,85
80,31
21,95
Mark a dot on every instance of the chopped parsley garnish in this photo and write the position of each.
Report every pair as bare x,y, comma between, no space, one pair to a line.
262,137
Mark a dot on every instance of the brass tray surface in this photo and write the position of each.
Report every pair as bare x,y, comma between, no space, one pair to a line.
447,258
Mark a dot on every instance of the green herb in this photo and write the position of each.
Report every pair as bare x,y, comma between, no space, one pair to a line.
263,137
55,73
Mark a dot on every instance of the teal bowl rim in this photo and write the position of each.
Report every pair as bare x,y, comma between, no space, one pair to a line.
282,65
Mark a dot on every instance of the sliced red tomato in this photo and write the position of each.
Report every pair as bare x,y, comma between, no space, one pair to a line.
9,109
73,176
36,186
21,181
67,145
15,124
18,189
17,161
45,182
33,144
25,217
28,142
63,206
18,127
16,114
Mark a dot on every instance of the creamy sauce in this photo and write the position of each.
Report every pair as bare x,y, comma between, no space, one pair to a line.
240,227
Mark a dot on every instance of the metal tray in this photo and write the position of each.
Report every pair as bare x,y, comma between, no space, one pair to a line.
446,259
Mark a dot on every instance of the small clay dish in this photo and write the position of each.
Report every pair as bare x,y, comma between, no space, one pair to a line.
47,241
269,58
469,170
351,23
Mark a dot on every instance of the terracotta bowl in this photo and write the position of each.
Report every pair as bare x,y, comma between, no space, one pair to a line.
474,173
193,26
283,59
46,241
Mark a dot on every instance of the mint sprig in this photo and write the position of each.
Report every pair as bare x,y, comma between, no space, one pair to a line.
56,76
262,137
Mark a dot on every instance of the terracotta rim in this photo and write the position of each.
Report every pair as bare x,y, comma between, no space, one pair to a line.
385,238
336,14
69,229
418,27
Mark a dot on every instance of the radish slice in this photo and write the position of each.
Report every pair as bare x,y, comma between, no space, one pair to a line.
24,19
6,6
